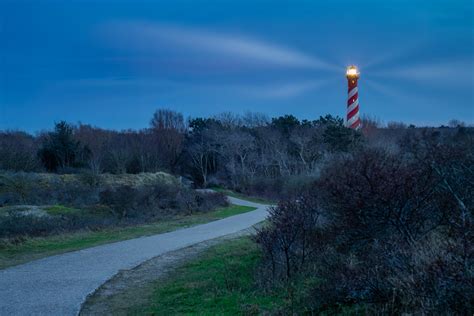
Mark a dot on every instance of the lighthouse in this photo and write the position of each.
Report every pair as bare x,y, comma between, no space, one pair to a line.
353,119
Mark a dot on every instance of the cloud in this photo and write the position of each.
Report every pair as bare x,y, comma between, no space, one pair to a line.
284,90
454,73
269,90
156,38
113,82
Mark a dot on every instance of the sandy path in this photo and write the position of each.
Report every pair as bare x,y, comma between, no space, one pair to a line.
58,285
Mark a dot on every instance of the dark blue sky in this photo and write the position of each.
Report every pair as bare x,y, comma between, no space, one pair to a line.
112,63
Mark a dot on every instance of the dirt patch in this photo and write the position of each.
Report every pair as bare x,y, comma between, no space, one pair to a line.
133,288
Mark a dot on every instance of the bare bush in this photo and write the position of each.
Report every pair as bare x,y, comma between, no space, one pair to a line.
96,201
18,152
288,249
397,234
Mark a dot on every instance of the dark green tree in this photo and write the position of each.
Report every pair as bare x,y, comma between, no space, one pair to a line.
285,123
336,136
60,150
200,124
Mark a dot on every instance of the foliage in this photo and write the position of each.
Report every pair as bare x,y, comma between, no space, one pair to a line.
285,123
37,189
18,152
165,119
74,202
339,138
238,152
390,232
249,153
60,150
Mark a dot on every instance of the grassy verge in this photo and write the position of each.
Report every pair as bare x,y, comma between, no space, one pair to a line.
219,282
243,196
35,248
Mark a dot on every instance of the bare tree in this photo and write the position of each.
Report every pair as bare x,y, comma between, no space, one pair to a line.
96,140
165,119
305,138
18,151
456,123
396,125
236,150
229,120
168,131
202,150
252,120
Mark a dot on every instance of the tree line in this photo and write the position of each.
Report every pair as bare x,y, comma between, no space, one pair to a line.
250,152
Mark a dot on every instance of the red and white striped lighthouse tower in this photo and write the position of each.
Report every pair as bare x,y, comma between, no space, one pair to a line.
353,119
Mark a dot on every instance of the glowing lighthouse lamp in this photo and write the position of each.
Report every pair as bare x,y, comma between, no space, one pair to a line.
353,120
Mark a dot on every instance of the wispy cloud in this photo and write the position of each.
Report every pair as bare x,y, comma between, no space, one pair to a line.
156,38
285,90
269,90
452,73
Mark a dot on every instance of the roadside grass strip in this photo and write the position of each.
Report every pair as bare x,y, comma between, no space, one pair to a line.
14,252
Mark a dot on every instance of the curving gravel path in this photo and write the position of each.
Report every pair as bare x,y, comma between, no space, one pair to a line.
59,284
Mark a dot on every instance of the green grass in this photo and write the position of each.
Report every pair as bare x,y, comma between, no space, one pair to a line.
35,248
243,196
220,282
223,281
60,210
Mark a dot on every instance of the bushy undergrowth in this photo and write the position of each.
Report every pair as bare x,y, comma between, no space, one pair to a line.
98,201
386,231
276,188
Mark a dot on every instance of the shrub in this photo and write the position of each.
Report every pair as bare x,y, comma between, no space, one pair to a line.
18,152
293,226
28,225
14,188
394,233
87,201
40,189
159,200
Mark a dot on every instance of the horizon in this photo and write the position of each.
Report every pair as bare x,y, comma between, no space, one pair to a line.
113,66
380,124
